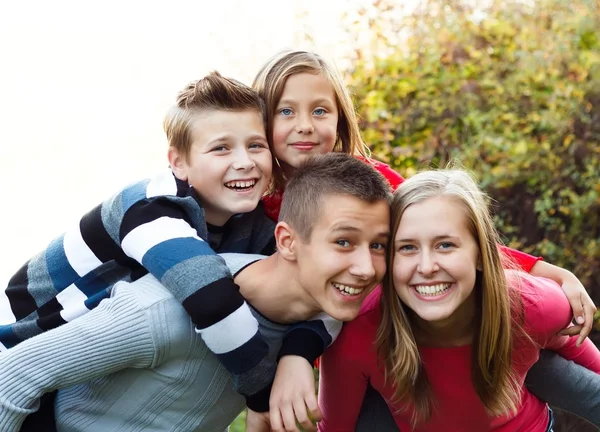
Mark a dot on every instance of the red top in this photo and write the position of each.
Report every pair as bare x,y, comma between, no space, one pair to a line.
273,204
351,362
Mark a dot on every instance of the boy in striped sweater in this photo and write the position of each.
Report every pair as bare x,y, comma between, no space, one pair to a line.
140,374
170,226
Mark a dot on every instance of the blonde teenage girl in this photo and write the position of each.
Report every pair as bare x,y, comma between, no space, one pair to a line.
450,340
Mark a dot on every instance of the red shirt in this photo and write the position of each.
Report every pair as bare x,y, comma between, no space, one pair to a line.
351,362
273,204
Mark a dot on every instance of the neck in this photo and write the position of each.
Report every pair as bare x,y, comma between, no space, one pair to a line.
456,330
279,296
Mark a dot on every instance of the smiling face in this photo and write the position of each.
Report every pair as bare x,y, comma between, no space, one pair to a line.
435,259
305,121
344,258
229,163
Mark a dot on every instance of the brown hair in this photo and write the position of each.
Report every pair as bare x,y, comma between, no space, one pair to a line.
491,373
270,82
330,174
213,92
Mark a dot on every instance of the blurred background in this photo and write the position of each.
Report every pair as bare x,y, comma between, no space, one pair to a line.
511,89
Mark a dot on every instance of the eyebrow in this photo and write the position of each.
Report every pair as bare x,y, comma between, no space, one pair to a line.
436,238
346,228
228,138
315,102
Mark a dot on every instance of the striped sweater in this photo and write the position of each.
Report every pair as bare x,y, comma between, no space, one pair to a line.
157,226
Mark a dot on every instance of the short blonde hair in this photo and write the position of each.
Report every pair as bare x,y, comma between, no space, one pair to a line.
213,92
492,373
270,82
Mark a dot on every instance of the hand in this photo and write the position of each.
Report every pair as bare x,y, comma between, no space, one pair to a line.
581,302
583,308
257,422
293,396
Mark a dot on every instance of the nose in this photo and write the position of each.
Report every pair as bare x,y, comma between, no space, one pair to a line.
362,265
243,160
427,263
304,124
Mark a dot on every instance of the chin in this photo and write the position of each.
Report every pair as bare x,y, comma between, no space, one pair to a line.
345,315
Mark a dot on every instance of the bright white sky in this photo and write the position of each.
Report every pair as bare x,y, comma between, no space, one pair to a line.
84,86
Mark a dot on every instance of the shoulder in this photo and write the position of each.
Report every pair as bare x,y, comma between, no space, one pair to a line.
386,171
546,308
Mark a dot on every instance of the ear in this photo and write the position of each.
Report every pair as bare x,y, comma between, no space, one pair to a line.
177,163
286,238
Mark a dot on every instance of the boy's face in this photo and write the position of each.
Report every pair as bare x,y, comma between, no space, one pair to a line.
229,165
344,258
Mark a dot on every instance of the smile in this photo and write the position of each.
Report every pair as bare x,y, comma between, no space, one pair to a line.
241,185
432,290
304,146
347,290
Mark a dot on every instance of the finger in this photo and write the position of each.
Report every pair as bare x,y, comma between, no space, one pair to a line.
570,331
313,408
302,415
276,420
289,418
590,310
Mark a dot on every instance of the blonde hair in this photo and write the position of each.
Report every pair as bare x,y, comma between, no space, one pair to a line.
270,82
491,373
213,92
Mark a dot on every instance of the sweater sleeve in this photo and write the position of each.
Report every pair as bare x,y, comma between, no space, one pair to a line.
343,380
113,336
158,234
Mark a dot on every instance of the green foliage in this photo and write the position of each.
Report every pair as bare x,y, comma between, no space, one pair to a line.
513,92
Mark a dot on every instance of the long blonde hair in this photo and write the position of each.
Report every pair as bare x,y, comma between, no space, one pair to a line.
270,82
491,373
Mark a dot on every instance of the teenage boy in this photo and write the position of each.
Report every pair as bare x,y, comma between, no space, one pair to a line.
148,369
170,226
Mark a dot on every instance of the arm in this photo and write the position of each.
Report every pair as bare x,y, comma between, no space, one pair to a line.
342,383
112,337
579,299
159,234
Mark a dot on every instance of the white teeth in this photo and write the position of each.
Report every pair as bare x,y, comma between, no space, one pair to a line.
241,184
432,289
348,290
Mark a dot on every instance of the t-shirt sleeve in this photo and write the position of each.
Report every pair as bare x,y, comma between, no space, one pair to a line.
309,339
524,261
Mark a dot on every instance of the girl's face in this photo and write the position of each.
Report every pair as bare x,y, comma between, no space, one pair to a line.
306,118
435,260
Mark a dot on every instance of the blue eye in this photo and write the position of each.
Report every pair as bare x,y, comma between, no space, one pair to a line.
286,111
319,112
446,245
218,149
343,243
379,246
406,248
257,146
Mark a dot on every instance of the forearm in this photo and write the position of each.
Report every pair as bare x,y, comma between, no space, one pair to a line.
552,272
109,338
